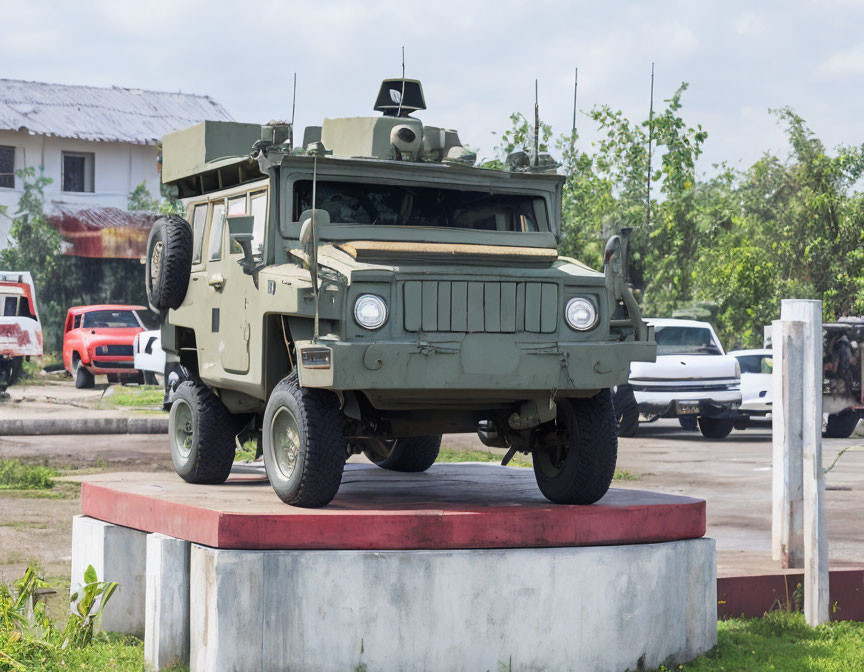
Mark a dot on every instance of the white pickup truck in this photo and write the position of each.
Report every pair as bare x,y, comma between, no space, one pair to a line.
693,380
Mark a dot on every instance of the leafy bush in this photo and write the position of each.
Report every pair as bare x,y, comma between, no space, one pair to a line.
17,476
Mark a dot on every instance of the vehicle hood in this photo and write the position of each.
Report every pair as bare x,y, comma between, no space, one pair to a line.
684,367
104,336
20,337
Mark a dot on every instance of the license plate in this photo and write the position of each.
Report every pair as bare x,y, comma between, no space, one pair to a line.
688,407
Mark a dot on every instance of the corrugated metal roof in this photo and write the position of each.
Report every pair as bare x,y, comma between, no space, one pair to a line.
94,113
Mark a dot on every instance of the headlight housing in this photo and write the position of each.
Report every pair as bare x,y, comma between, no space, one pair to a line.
737,368
370,311
581,313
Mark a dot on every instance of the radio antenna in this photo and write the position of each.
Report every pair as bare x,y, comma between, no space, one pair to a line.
575,91
536,125
650,140
402,95
293,102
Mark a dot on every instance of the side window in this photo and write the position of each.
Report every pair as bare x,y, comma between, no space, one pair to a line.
77,323
215,247
10,307
258,210
237,206
7,167
199,221
78,171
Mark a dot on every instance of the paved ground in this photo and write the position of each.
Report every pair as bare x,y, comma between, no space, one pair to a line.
733,475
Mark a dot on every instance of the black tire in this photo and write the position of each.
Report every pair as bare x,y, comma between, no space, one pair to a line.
841,425
202,434
575,462
150,378
408,455
626,411
716,428
169,262
16,369
688,423
83,378
307,470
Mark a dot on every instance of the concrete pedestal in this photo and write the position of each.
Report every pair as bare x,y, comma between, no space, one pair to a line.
465,567
117,554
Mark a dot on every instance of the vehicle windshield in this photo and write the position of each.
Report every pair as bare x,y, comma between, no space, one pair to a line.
755,363
674,340
149,319
391,205
110,319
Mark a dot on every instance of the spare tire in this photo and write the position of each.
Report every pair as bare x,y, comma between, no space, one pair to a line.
169,262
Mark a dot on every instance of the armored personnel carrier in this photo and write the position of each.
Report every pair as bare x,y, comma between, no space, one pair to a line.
370,289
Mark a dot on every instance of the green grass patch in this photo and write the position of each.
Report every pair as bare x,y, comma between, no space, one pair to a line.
15,475
454,455
782,642
137,396
624,475
24,525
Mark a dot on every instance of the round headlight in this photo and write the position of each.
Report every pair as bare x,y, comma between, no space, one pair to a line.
581,313
370,311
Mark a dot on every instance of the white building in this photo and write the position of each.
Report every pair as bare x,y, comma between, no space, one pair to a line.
96,144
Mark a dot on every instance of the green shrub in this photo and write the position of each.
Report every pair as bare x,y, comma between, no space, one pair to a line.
17,476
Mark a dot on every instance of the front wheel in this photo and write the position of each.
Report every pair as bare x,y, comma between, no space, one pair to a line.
841,425
83,378
626,411
688,423
408,455
202,434
304,445
716,428
574,462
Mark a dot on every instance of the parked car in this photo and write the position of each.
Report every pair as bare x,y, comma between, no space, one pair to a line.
20,329
693,380
757,387
98,340
149,355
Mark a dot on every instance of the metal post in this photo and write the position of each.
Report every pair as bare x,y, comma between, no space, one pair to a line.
816,577
787,529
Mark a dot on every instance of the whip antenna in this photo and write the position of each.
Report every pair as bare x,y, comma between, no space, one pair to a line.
293,101
402,95
650,140
536,125
575,91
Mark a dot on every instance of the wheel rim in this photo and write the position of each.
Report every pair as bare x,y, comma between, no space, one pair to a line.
184,428
286,442
156,261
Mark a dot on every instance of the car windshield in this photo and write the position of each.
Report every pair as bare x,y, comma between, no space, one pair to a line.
390,205
149,319
110,319
675,340
755,363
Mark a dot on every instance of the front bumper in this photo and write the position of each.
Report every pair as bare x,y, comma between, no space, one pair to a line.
476,362
712,403
103,365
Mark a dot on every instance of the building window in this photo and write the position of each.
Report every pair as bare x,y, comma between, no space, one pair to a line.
7,167
77,171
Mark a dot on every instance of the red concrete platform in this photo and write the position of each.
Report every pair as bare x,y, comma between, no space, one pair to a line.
450,506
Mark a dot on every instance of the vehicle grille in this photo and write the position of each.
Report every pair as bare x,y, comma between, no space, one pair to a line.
117,350
106,364
492,307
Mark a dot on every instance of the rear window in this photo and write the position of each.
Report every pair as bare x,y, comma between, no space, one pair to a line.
109,319
755,363
685,341
390,205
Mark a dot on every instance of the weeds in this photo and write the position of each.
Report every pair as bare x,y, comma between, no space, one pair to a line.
455,455
17,476
139,396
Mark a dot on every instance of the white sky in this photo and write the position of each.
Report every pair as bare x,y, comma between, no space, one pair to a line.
477,59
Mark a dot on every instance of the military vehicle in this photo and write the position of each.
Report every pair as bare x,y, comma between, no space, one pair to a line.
370,289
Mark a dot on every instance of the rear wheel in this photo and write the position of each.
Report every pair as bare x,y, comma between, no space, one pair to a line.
575,461
626,411
688,422
202,434
841,425
304,444
169,262
409,455
716,428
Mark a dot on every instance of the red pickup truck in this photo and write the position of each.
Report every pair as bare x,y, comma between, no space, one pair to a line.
98,340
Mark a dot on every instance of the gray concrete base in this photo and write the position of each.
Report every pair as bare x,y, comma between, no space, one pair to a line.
595,609
166,632
117,554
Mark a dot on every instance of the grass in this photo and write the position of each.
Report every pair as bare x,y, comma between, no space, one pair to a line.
454,455
782,642
139,396
15,475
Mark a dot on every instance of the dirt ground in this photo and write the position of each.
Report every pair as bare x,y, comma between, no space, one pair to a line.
733,476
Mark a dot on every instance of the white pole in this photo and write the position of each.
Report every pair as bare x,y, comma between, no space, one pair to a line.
816,577
787,409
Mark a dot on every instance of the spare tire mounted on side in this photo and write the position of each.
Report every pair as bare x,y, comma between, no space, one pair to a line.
169,262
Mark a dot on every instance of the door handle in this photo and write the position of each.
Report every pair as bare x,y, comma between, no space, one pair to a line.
217,282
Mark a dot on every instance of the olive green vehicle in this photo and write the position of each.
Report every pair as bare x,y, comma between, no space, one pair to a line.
369,290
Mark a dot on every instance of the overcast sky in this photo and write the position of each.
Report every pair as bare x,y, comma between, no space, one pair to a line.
477,59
